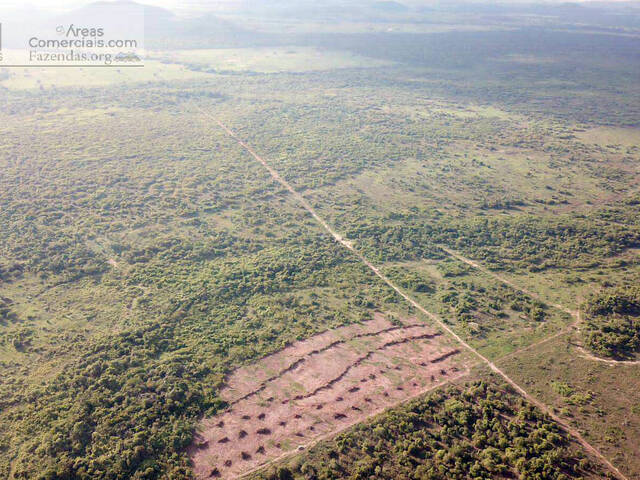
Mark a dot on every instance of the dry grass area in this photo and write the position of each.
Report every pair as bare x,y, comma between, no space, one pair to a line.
317,387
600,400
611,136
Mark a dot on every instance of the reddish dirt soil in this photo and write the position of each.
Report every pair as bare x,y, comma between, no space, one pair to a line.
316,387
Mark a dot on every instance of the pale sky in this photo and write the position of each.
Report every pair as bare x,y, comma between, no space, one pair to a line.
202,5
65,5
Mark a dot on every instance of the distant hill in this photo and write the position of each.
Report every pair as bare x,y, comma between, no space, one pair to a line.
164,29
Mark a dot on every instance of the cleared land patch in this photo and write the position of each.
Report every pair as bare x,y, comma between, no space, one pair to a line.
611,136
319,386
266,59
44,78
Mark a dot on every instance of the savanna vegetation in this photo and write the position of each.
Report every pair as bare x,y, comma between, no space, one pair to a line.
144,254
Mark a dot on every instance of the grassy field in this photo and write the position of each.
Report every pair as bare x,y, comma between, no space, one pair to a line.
266,60
611,137
48,78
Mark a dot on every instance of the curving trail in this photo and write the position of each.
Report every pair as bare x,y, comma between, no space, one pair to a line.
575,326
609,361
435,318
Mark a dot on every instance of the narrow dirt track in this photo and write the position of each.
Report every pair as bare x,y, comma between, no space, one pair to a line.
515,353
575,313
509,283
609,361
492,366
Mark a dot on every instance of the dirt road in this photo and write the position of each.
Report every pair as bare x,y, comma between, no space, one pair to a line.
435,318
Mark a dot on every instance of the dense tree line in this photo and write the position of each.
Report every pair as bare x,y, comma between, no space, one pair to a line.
529,242
612,326
479,431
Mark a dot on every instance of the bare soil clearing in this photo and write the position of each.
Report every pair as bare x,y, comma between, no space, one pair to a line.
316,387
435,318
